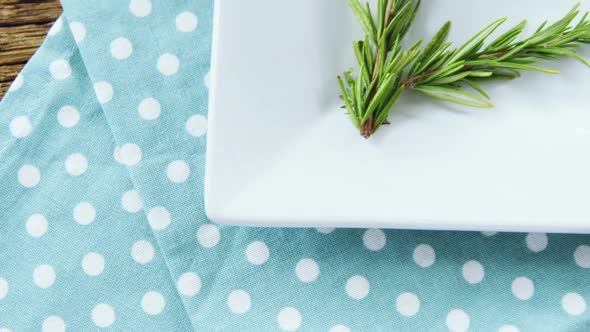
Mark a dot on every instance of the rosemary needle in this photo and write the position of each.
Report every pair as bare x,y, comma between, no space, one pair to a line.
439,70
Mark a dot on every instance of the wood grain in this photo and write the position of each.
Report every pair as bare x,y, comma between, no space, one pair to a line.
10,71
18,43
19,12
23,26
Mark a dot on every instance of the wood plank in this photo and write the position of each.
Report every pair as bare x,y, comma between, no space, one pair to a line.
23,27
18,12
3,88
18,43
9,72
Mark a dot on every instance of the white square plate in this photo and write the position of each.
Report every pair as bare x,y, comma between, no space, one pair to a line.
282,153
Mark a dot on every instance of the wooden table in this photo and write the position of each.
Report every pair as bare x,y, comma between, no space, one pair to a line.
23,26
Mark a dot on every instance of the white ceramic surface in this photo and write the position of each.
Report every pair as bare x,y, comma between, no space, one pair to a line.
282,153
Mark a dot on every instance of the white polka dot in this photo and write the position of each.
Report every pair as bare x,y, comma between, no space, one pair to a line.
5,329
208,235
36,225
159,218
84,213
129,154
473,272
407,304
68,116
357,287
140,8
207,79
508,328
307,270
56,27
121,48
104,91
178,171
53,324
582,256
153,303
29,176
78,31
196,125
536,242
103,315
458,320
257,253
17,83
189,284
20,126
44,276
424,255
3,288
168,64
186,22
142,252
60,69
325,230
149,109
131,201
117,154
523,288
488,233
374,239
573,304
93,264
239,301
340,328
76,164
289,319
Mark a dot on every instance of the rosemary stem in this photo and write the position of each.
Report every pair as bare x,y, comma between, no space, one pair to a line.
368,128
411,81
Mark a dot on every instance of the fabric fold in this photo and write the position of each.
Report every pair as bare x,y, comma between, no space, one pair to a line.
74,253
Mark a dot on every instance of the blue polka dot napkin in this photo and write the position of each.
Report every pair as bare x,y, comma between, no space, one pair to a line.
102,226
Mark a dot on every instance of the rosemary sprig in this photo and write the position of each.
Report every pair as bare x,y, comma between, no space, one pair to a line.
440,71
381,61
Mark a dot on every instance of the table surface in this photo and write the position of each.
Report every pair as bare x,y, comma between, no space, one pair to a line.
23,26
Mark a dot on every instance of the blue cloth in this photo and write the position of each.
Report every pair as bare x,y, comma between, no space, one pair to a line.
102,147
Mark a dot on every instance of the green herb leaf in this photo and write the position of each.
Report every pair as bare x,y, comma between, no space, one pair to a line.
364,18
455,96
